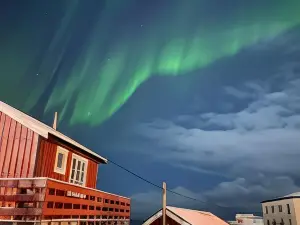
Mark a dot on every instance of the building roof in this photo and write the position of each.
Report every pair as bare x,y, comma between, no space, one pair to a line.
290,196
295,194
188,217
248,216
232,222
195,217
244,215
44,130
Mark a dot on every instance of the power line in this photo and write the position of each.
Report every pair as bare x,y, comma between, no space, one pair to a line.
155,185
134,174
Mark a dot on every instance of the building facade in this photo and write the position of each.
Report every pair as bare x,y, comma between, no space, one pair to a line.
247,219
283,211
47,176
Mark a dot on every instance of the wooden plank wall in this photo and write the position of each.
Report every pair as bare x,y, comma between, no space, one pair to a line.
46,161
91,178
93,200
18,148
169,221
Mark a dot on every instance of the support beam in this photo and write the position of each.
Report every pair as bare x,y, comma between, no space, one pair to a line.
55,121
164,203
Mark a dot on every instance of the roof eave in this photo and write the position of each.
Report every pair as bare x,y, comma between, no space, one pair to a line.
279,199
95,156
44,130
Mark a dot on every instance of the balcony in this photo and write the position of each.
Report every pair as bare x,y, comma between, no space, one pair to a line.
47,201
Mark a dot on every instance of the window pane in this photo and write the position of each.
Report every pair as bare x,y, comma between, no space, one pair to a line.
60,157
77,175
83,165
81,176
74,164
72,174
78,165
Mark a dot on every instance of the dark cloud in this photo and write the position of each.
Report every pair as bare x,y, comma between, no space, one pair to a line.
268,126
255,148
236,195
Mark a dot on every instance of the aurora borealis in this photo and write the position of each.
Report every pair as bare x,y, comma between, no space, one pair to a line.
95,54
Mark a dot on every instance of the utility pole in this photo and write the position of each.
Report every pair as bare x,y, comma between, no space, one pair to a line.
55,121
164,203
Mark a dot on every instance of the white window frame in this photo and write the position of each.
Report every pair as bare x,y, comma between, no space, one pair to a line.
65,153
81,159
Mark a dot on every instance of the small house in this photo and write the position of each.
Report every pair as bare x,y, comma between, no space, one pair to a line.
46,176
181,216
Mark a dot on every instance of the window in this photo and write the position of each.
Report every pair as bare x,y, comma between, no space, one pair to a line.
266,208
78,170
282,222
272,207
61,160
274,222
288,208
268,222
280,208
290,221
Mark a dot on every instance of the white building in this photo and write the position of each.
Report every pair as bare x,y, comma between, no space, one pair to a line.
247,219
283,210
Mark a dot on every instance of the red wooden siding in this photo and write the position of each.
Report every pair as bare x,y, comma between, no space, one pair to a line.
46,161
18,148
91,176
46,199
56,193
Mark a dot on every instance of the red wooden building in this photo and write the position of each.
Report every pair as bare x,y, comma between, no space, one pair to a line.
48,178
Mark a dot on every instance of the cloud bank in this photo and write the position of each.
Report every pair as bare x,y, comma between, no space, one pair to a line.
255,148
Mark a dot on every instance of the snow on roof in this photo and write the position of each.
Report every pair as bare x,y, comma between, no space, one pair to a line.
295,194
195,217
289,196
187,217
43,129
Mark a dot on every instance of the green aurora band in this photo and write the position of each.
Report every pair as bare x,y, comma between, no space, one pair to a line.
115,59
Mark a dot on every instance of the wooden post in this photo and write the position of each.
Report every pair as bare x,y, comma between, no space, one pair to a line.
55,121
164,203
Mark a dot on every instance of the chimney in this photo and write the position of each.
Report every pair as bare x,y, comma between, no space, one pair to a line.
55,121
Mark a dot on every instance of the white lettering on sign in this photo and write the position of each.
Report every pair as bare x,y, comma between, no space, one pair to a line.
75,194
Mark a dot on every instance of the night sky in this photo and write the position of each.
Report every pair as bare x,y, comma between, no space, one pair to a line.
202,94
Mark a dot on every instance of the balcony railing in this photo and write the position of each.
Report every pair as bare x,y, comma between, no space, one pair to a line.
45,199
